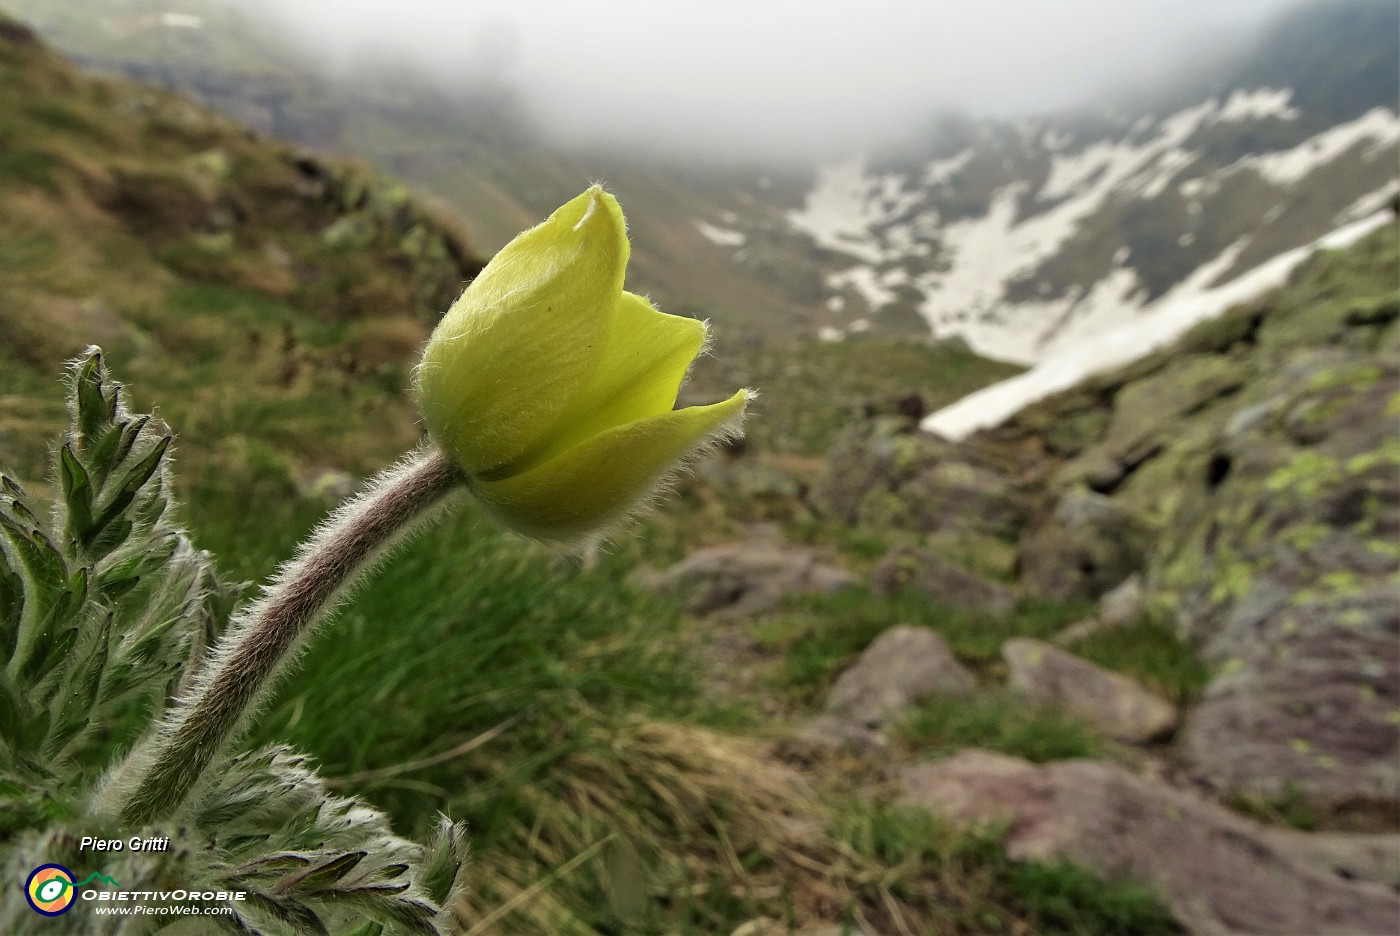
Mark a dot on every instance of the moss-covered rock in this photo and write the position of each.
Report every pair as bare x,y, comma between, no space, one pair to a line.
1259,459
1083,548
882,473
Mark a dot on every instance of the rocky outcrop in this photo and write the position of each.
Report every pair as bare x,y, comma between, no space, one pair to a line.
1284,573
1086,546
925,571
882,473
904,666
1110,702
1359,856
744,578
1262,452
1217,872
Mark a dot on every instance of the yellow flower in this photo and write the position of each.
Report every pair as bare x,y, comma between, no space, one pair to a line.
554,389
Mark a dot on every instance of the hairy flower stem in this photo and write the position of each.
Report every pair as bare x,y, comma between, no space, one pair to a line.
161,773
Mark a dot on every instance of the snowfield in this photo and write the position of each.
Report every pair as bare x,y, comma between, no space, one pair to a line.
960,270
1169,318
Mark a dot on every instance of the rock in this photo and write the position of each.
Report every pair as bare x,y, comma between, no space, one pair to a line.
1109,701
357,230
1310,707
1359,856
907,567
1079,630
828,735
1086,547
901,668
1218,872
1145,410
960,496
744,578
753,485
1278,559
1076,431
1122,606
883,473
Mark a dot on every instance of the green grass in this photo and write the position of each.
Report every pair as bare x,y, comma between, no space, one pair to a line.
1151,653
1291,807
964,882
29,167
998,722
576,681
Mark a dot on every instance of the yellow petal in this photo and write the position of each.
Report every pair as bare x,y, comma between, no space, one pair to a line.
520,343
602,479
645,358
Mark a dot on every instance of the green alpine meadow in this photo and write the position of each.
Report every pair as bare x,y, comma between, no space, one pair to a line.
601,472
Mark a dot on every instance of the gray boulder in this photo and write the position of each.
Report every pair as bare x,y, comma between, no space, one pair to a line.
1085,547
744,578
1361,856
1218,872
885,474
901,668
1121,607
1309,706
908,567
1109,701
1279,562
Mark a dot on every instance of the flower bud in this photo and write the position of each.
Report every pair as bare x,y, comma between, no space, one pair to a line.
554,389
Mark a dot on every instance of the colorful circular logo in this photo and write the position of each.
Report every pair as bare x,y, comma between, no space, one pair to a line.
50,889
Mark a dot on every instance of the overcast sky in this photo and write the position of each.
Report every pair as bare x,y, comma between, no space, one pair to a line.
777,76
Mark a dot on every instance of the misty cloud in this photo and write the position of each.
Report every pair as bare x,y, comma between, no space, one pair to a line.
775,78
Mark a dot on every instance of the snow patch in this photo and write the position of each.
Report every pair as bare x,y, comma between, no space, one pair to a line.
866,217
838,212
725,237
1286,167
941,170
1158,324
876,288
1059,323
986,253
1168,165
1258,104
1368,204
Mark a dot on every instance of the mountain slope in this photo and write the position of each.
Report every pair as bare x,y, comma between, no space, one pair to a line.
1027,236
475,149
1021,236
204,259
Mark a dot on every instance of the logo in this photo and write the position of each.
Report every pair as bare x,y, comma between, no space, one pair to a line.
51,889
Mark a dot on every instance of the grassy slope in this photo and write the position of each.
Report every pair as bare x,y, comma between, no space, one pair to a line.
205,260
553,707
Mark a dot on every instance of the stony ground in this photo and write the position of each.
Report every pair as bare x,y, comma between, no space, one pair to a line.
1222,515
